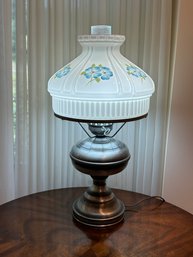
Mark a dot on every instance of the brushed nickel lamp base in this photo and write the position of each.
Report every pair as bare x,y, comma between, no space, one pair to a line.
99,156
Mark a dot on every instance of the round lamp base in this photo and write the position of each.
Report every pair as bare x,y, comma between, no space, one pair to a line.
98,207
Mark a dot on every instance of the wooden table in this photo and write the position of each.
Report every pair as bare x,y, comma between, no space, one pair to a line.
41,225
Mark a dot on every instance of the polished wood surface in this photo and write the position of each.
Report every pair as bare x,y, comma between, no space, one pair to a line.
41,225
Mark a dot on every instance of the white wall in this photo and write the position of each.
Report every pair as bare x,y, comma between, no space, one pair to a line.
178,175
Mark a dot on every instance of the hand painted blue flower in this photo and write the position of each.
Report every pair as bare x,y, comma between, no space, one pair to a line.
92,72
63,72
106,73
97,73
135,71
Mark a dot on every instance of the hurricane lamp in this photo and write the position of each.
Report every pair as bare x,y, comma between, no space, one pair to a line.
100,87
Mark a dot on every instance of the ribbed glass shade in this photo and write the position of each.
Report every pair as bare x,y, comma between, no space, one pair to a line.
100,84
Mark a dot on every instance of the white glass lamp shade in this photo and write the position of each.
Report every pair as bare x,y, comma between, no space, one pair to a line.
100,84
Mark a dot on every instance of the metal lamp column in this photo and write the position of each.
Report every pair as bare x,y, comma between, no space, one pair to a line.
99,156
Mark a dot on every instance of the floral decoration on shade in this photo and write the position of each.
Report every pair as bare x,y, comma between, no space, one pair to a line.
97,73
133,70
62,72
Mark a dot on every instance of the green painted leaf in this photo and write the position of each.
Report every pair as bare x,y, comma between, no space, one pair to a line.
97,79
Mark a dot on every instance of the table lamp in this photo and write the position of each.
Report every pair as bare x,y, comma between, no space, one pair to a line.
100,87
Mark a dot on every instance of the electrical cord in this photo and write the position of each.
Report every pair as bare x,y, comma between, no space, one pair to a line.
129,208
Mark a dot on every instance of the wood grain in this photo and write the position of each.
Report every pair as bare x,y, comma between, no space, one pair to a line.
41,225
